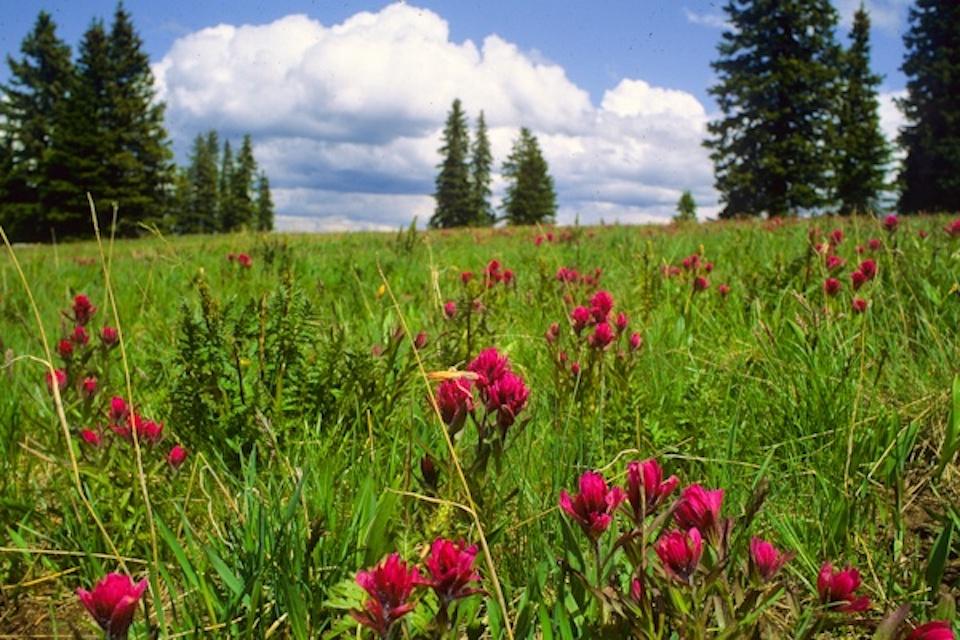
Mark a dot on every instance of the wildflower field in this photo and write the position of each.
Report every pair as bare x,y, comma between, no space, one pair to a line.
730,430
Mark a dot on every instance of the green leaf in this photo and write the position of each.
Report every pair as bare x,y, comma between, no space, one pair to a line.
938,557
951,439
229,578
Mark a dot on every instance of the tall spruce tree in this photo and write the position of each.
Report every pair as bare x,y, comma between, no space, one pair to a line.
82,141
777,77
226,211
242,187
530,197
200,215
39,84
110,137
138,165
481,162
264,204
930,176
686,208
862,151
453,193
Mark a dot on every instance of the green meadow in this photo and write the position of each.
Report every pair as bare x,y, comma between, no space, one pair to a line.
305,411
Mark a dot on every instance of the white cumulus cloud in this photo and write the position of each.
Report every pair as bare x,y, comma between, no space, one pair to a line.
346,118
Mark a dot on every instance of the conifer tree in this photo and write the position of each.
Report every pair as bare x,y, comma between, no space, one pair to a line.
530,197
453,193
39,83
930,176
777,77
138,163
264,204
82,142
242,186
201,216
481,162
226,211
862,152
686,208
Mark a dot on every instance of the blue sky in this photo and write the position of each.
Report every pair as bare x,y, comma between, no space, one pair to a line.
616,90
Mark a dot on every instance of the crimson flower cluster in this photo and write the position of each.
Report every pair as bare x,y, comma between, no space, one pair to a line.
493,275
697,269
571,276
81,366
501,392
550,237
865,271
594,327
697,516
390,585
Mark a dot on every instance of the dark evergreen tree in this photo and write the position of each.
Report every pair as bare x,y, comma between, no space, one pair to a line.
201,214
453,191
481,162
686,208
39,84
242,187
227,212
930,177
777,81
862,152
182,201
264,204
530,198
138,166
82,142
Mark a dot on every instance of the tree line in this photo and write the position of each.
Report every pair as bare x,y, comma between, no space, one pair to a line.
800,125
463,182
94,125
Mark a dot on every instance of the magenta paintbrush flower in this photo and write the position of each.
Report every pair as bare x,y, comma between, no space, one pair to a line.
891,222
857,279
450,565
602,336
489,365
91,437
868,268
389,585
177,456
831,286
933,630
580,318
450,309
455,401
766,560
700,508
113,602
59,376
680,553
83,309
646,488
507,396
600,305
65,349
109,336
89,387
700,284
594,506
839,587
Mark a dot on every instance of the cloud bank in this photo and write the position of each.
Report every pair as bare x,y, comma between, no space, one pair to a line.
346,118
